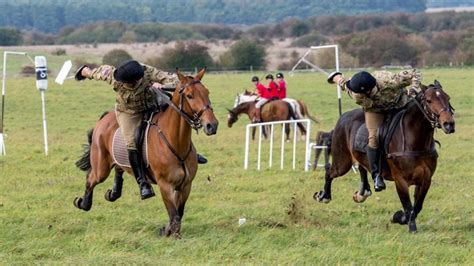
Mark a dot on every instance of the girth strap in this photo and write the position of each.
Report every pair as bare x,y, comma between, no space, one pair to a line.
412,154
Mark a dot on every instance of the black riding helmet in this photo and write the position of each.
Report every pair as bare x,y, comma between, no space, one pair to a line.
279,75
129,72
269,76
254,78
361,82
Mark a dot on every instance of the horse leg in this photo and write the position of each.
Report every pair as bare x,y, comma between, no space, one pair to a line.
340,166
303,130
364,191
254,129
403,217
116,191
287,132
324,195
99,172
168,196
420,194
181,197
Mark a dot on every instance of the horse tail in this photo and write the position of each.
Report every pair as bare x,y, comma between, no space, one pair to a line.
291,113
84,163
305,112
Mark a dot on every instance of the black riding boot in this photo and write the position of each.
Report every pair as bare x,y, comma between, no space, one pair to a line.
201,159
374,163
146,191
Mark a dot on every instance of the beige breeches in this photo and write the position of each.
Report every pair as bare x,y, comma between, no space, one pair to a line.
373,121
128,125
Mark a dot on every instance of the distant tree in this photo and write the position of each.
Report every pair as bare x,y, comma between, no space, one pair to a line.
10,36
184,56
115,57
243,54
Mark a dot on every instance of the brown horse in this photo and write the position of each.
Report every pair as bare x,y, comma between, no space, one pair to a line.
411,157
171,153
272,111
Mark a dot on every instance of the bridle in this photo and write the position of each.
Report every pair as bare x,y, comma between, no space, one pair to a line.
194,120
431,116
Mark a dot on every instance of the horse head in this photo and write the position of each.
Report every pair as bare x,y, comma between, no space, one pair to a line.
438,107
194,102
232,117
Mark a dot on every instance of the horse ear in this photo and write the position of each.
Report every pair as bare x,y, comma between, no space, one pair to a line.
437,84
200,74
181,77
423,87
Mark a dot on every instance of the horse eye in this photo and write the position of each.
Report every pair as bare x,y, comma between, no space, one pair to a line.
190,96
428,101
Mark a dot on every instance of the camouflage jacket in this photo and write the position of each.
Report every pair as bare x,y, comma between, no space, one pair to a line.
139,98
390,91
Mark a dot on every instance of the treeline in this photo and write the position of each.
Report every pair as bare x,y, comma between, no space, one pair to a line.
369,40
52,15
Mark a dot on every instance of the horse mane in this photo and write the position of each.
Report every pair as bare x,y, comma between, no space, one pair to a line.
243,107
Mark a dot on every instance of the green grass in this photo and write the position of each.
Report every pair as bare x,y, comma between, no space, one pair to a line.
39,224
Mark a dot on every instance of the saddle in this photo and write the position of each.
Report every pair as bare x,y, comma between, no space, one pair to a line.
119,147
384,133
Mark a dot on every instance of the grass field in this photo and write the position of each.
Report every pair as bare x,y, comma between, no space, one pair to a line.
40,225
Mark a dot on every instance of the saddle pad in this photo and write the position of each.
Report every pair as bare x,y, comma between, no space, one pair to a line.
361,139
119,148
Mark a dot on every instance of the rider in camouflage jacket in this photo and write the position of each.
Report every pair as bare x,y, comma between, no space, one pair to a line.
378,93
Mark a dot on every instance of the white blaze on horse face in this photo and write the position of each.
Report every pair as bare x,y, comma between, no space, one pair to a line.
438,93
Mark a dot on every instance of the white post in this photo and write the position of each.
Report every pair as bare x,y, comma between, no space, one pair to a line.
271,147
338,87
45,129
2,141
247,136
259,147
282,159
295,130
308,148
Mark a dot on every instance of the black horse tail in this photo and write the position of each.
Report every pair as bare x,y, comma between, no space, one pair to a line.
84,163
291,113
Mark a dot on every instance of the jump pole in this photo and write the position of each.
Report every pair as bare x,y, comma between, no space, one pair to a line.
5,55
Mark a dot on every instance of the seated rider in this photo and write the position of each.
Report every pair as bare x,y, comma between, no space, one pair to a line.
281,86
272,87
377,94
134,84
264,95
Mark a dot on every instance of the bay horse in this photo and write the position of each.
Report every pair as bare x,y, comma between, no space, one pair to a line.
299,106
276,110
411,158
171,154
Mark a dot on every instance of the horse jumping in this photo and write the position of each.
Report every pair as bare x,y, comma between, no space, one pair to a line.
411,156
171,154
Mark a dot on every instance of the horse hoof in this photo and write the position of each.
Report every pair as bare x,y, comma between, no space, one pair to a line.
399,218
321,197
109,196
164,231
77,202
412,228
359,198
